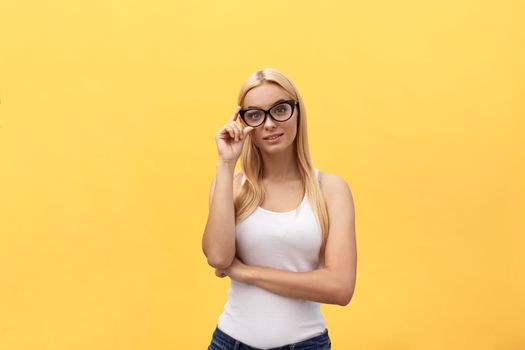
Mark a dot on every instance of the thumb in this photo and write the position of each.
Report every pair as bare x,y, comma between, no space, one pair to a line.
248,129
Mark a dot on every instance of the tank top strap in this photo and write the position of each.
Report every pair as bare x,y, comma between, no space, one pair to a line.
243,178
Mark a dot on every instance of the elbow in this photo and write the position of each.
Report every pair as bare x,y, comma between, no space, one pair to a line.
344,300
344,296
219,263
217,259
342,290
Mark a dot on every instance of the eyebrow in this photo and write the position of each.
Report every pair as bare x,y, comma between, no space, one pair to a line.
279,100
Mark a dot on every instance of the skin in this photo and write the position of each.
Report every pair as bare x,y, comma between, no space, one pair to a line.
333,283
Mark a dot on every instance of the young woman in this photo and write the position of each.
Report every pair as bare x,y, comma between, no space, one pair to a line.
284,234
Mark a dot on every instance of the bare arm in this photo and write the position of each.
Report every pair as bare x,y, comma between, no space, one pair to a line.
321,285
218,240
332,284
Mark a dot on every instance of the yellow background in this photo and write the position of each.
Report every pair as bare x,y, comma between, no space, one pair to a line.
108,112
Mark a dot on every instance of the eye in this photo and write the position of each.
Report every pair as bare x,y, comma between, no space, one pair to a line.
282,110
253,114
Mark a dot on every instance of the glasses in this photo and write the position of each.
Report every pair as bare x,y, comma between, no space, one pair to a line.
280,112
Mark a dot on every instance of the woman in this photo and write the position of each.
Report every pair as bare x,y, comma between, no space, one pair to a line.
284,234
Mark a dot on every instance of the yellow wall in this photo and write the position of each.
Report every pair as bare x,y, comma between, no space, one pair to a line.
108,111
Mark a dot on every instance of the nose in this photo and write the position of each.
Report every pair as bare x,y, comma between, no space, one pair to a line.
269,123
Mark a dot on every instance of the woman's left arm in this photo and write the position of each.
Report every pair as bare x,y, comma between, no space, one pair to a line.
333,283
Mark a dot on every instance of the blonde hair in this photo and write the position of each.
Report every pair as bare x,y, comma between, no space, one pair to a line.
251,194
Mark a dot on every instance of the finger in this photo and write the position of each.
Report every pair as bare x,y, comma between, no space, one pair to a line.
230,131
235,113
238,132
234,131
247,130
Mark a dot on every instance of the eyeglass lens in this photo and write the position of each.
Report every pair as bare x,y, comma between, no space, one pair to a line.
280,112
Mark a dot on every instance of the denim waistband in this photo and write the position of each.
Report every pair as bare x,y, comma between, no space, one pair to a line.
226,342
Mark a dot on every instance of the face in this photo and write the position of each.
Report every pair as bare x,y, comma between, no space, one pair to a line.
266,96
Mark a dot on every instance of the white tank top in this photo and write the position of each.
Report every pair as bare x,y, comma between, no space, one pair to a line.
283,240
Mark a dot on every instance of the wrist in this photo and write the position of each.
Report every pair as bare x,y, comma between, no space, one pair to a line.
250,274
226,163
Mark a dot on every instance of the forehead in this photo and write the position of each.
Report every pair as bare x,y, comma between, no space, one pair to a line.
264,96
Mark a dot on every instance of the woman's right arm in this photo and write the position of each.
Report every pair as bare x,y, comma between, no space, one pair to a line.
218,241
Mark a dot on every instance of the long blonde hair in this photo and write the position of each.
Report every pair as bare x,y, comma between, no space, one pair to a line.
251,194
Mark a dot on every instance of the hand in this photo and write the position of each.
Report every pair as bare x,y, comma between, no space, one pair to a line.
237,271
230,138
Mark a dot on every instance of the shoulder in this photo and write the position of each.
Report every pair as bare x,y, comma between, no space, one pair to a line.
332,182
334,186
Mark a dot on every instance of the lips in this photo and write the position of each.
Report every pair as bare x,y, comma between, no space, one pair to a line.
268,137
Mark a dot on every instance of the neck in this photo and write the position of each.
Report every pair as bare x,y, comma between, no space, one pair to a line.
280,167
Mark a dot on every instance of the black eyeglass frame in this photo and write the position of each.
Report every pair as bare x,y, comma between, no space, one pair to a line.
292,104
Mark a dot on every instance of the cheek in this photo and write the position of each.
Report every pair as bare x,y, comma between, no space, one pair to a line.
291,130
256,138
292,134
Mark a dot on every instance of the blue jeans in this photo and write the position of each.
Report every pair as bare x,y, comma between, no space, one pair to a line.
222,341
